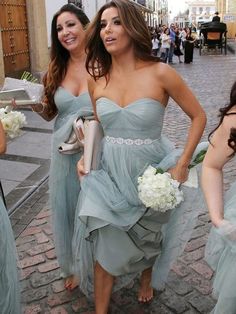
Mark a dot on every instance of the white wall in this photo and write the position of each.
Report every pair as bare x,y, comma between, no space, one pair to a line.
91,7
51,8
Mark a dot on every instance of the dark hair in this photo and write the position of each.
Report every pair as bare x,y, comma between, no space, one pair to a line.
59,55
223,113
98,61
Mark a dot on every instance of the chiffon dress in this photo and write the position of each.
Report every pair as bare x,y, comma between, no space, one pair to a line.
112,226
9,285
64,184
220,254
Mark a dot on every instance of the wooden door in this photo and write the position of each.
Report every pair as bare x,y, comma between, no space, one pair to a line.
14,30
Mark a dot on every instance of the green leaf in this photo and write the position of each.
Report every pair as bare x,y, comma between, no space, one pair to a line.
29,77
198,159
159,170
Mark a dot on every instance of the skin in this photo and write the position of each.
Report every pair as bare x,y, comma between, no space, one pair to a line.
212,170
71,35
131,79
3,144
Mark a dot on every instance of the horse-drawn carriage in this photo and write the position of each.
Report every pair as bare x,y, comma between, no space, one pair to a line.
213,36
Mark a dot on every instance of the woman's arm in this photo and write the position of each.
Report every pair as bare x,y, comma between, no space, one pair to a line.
212,176
3,144
44,111
176,88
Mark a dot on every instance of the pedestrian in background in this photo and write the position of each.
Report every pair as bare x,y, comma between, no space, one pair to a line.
9,286
165,45
189,46
155,45
221,246
216,17
177,50
172,43
66,98
116,237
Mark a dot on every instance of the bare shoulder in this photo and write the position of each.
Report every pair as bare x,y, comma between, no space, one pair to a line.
165,72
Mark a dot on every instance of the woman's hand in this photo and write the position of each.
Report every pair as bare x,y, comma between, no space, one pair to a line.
80,168
13,103
179,173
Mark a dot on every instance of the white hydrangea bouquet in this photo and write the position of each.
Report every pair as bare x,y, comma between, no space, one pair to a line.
158,190
12,121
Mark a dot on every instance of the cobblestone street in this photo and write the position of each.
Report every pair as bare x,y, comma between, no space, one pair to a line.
189,288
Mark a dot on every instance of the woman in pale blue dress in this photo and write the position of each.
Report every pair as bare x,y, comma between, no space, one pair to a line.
115,236
9,287
66,96
221,246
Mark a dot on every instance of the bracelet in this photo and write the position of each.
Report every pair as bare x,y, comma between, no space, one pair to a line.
43,107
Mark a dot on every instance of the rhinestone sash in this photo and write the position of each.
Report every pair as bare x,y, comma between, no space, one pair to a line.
128,141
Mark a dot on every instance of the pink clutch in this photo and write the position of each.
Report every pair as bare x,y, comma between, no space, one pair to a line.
93,135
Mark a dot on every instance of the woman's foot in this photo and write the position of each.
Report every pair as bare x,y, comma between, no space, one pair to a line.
71,282
146,291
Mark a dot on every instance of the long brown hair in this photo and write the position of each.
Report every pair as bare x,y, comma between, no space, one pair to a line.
98,61
59,56
224,112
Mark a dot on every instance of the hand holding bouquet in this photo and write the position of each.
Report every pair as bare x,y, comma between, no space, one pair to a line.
12,121
158,190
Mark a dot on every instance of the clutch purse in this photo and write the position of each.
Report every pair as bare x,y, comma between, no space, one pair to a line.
75,143
93,135
87,135
33,92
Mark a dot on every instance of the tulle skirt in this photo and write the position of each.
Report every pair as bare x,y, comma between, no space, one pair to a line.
220,254
114,228
9,287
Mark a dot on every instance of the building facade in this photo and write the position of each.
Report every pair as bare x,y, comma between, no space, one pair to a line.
201,11
227,12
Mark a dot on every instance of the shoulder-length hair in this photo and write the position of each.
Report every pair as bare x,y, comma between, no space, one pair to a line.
59,56
98,62
222,114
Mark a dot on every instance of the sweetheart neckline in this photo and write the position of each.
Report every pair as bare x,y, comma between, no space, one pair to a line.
70,93
132,102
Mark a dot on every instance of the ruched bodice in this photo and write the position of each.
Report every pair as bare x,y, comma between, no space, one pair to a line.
69,105
143,118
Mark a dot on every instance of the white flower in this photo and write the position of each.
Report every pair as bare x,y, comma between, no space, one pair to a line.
12,121
158,190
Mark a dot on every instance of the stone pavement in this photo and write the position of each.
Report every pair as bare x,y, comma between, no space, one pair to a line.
189,288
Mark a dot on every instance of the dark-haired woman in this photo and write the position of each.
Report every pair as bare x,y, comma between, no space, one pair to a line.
66,96
116,236
9,288
189,46
221,246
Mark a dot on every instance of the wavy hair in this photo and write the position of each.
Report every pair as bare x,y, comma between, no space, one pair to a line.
98,62
59,56
224,112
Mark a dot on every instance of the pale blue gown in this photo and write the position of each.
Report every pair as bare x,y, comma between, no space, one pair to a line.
63,182
220,254
9,286
112,226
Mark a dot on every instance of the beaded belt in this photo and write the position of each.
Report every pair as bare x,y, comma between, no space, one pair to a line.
128,141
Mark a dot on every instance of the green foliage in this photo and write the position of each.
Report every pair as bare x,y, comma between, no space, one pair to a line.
198,159
29,77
